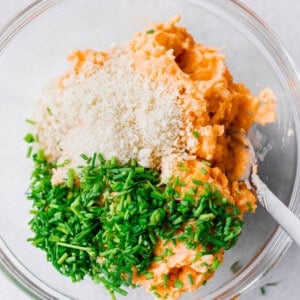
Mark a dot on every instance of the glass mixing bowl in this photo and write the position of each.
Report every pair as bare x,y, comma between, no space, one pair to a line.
33,47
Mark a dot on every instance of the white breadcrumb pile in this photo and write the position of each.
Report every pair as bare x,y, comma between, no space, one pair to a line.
114,111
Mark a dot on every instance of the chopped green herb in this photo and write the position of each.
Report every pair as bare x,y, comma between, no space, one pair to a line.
197,182
31,122
49,111
157,216
62,258
249,206
178,284
118,213
148,275
150,31
63,164
196,134
215,264
165,280
263,289
237,191
156,294
236,210
190,279
272,284
207,163
235,267
182,167
197,256
71,178
206,217
29,138
203,170
158,258
29,151
168,252
166,296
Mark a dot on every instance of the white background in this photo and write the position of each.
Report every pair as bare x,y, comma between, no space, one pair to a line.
283,17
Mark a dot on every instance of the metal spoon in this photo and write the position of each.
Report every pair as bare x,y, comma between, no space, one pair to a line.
274,206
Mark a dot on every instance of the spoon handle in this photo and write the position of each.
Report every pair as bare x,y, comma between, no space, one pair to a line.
281,213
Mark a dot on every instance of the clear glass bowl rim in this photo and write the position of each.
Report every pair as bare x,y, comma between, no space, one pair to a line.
278,243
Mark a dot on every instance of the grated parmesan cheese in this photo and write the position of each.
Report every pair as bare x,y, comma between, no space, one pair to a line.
114,111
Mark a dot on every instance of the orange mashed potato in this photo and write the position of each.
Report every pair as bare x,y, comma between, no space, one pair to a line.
211,103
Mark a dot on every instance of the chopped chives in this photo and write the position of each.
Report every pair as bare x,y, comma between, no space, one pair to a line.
165,280
156,294
83,156
207,163
70,178
29,151
157,258
29,138
149,275
84,235
62,258
178,284
31,122
249,206
168,252
49,111
236,267
197,182
190,279
203,170
207,217
215,264
150,31
196,134
263,288
272,283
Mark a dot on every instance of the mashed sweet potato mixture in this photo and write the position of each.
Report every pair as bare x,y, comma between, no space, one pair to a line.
167,101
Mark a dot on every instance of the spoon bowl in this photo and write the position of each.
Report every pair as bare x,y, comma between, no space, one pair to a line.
274,206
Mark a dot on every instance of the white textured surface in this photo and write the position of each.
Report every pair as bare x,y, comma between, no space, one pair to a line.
283,17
